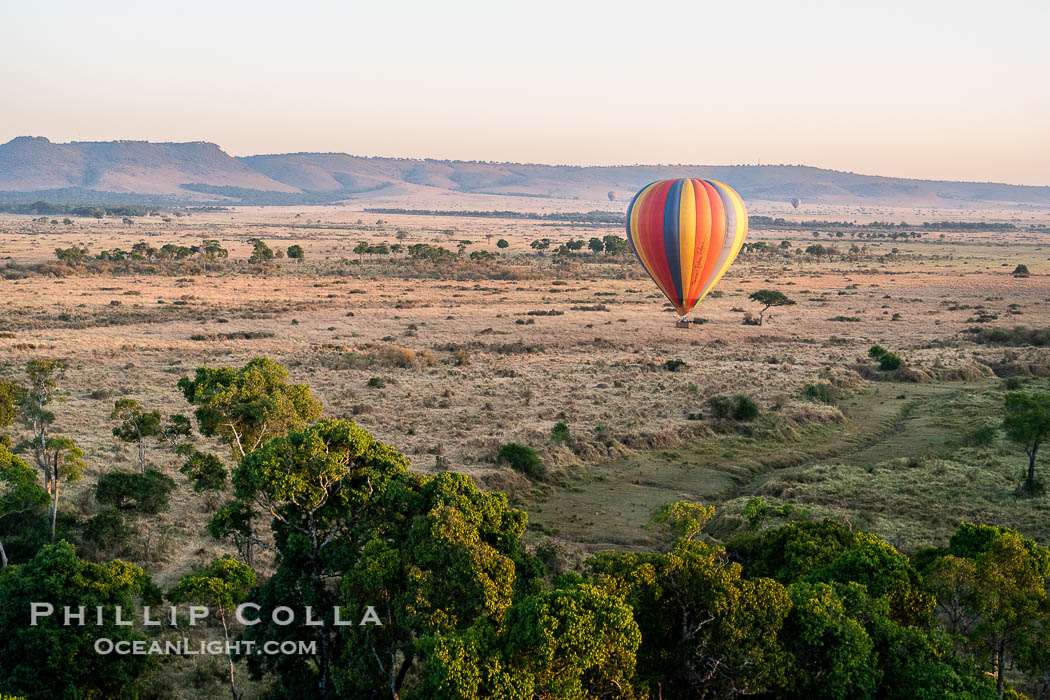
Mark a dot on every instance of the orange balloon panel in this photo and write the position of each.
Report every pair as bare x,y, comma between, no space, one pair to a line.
686,233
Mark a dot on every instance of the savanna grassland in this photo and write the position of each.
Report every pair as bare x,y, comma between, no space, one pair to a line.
448,356
450,359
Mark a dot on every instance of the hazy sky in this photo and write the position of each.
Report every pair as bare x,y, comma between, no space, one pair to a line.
954,89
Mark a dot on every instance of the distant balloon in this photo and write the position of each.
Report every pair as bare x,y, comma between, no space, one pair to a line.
796,202
686,233
612,195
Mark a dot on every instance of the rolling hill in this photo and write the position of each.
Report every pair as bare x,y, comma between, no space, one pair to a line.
200,171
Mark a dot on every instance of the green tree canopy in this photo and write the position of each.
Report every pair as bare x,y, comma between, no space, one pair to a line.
136,425
261,253
52,660
769,298
1027,422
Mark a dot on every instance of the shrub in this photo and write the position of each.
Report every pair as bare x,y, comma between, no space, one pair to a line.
146,493
674,365
876,352
1021,271
461,357
744,408
890,361
108,530
560,432
721,407
739,408
1012,383
822,392
522,458
982,437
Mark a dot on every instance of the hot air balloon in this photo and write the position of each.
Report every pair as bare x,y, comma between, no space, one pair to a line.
796,202
686,233
612,195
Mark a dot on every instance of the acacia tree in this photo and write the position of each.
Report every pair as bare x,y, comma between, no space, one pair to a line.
210,249
296,253
57,458
136,426
1027,422
575,640
64,458
43,375
314,484
221,585
245,407
261,253
429,555
769,298
441,556
709,631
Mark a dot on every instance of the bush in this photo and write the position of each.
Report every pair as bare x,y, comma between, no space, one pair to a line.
876,352
822,392
146,493
738,408
744,408
560,432
982,437
890,361
674,365
107,531
522,458
721,407
1012,383
1021,271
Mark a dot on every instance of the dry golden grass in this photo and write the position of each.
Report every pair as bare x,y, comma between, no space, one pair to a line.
461,367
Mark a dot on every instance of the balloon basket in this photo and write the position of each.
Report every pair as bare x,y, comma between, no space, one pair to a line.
683,323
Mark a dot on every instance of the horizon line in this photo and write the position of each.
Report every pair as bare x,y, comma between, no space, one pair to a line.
525,163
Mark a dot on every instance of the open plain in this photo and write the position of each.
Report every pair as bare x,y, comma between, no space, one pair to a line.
448,356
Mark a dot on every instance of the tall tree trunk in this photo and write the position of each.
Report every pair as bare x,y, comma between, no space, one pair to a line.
249,542
410,656
142,455
326,642
3,555
54,509
1000,680
229,657
1030,482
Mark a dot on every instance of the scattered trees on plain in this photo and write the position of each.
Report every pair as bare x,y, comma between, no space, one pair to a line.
769,298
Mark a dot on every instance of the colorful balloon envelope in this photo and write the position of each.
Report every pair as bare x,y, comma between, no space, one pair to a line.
686,233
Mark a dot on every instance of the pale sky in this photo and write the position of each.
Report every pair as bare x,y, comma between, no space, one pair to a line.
951,90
